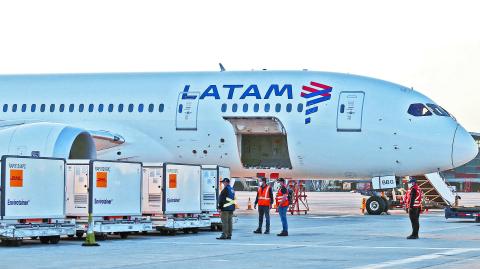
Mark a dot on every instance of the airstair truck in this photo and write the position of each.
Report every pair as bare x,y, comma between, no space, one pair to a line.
211,177
32,200
172,197
109,190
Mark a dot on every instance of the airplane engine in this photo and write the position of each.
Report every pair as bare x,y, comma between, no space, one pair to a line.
44,139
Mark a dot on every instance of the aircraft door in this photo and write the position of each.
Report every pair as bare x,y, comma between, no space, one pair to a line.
350,110
187,108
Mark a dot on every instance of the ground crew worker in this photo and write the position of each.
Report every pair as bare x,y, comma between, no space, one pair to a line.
264,200
282,205
413,204
226,204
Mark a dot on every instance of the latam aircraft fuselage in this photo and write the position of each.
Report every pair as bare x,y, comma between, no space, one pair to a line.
298,124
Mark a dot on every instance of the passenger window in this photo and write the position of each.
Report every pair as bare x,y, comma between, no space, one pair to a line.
150,107
33,108
5,108
300,107
52,108
81,107
130,108
62,108
161,107
14,108
256,107
289,107
234,107
120,108
110,108
71,107
224,108
91,107
438,110
140,108
245,107
278,107
419,110
267,107
24,107
42,108
100,108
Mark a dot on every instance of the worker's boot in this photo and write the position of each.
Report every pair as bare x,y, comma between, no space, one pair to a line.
267,231
222,237
283,233
258,231
412,237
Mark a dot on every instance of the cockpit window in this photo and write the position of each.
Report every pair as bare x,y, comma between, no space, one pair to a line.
419,110
438,110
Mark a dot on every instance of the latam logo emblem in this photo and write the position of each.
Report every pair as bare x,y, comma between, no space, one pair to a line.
315,93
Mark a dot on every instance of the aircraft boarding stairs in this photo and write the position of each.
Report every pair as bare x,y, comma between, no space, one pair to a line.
436,191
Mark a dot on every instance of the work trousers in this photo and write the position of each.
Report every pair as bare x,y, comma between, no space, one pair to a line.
414,214
226,217
282,211
264,210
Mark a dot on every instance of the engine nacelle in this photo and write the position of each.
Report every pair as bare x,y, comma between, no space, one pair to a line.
47,140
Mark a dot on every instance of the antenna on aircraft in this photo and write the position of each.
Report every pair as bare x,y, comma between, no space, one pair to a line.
222,69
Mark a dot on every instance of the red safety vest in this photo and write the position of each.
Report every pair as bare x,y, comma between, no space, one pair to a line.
418,198
264,196
279,198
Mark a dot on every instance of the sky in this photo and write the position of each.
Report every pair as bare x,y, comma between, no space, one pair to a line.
432,46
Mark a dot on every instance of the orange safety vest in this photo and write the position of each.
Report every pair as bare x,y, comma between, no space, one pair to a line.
279,198
264,196
418,198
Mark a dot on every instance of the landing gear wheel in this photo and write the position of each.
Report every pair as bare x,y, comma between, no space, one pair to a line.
375,205
124,235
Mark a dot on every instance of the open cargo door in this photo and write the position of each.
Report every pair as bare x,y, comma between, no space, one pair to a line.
262,142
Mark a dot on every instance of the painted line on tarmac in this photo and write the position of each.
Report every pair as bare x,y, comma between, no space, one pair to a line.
389,264
316,246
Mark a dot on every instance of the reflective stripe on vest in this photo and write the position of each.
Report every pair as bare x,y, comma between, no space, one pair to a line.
418,198
279,198
264,198
229,202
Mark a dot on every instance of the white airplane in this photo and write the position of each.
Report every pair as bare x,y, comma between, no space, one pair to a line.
281,123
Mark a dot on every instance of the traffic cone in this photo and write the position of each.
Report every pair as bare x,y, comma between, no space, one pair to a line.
90,238
249,206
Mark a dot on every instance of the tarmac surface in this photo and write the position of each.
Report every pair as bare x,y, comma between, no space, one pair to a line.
333,235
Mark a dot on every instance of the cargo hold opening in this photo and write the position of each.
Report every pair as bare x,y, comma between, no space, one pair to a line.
262,142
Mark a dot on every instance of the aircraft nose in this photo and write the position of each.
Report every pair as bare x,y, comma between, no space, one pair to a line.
464,147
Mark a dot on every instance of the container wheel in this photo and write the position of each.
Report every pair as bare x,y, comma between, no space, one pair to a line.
79,234
186,231
12,243
54,239
101,236
124,235
195,231
44,239
172,232
71,236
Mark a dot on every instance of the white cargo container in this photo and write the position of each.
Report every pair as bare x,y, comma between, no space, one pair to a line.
111,191
171,196
212,175
32,199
